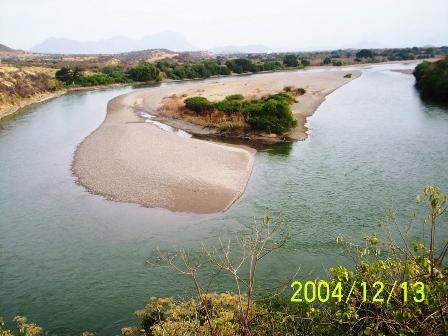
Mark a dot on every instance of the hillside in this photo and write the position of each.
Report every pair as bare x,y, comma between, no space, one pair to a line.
5,48
21,85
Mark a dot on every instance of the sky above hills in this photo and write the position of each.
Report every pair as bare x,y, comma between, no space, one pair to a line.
288,24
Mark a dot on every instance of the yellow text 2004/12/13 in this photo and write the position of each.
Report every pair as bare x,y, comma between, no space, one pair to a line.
324,291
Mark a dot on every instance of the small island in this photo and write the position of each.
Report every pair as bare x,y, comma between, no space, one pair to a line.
237,116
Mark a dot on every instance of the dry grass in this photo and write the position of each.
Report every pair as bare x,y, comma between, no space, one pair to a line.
17,83
173,107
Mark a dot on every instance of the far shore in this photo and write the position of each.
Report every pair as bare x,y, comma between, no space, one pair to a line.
40,98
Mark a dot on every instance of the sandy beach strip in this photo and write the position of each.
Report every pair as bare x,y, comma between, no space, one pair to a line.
129,160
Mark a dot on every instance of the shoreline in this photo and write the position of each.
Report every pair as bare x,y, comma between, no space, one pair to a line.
45,97
310,106
27,102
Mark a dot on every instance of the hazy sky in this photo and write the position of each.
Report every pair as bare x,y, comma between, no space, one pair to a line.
298,24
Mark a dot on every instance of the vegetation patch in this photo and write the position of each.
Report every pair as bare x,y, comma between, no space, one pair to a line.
432,80
380,261
271,114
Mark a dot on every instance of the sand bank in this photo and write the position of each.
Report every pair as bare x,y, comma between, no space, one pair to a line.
318,85
129,160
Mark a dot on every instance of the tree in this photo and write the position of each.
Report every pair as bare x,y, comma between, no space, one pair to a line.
198,104
144,72
69,75
241,65
305,62
290,60
364,53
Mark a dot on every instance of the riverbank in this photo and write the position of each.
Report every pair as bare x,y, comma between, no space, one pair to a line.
9,110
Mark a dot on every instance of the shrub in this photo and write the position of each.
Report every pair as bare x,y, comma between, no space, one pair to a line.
68,75
273,115
349,75
364,53
144,72
116,73
305,62
294,91
241,65
198,104
432,80
235,97
290,60
282,96
96,79
230,106
270,114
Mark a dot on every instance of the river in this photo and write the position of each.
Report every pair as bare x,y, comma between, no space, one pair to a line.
73,261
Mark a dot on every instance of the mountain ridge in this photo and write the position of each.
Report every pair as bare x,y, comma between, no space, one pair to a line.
114,45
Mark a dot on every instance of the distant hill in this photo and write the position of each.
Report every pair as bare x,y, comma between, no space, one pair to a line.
243,49
5,48
163,40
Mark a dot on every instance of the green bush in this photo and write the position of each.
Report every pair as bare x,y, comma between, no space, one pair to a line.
235,97
230,106
144,73
290,60
282,96
270,114
305,62
432,80
349,75
116,73
241,65
96,79
69,75
273,115
364,53
294,91
198,104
